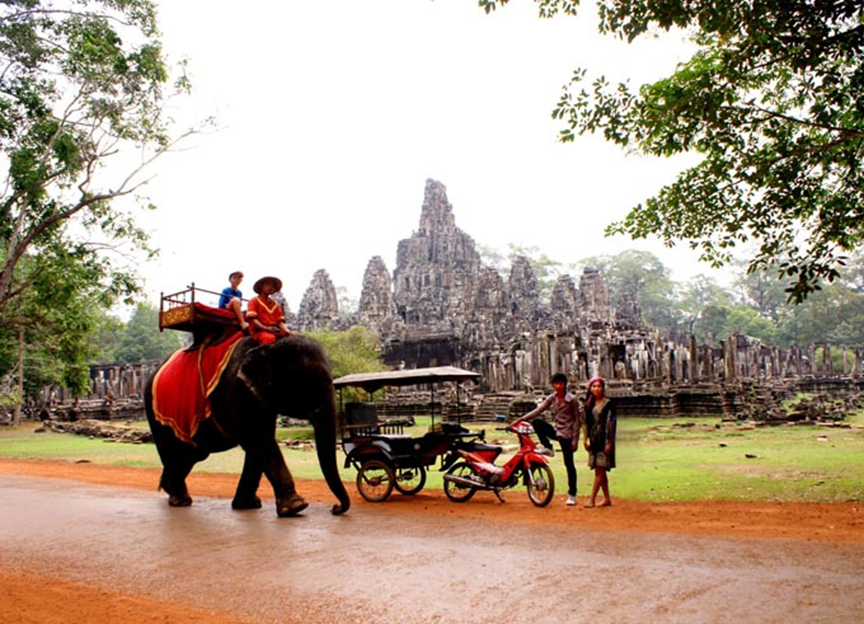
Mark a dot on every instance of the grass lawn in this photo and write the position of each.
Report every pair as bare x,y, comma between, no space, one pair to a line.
658,459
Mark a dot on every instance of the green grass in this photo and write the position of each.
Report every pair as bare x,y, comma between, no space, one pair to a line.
658,460
663,461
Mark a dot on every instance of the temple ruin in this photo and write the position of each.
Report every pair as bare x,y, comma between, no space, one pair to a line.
443,306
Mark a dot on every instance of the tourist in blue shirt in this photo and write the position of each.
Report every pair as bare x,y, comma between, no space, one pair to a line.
232,298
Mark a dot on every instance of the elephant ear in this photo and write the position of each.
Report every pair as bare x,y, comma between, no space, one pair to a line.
256,370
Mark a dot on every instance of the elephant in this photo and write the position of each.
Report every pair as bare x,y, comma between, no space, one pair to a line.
290,377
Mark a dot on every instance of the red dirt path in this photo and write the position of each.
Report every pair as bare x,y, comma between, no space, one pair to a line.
61,601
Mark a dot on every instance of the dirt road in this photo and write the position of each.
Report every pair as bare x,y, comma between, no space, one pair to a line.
75,550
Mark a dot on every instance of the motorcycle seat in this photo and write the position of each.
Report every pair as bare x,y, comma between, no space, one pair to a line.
487,447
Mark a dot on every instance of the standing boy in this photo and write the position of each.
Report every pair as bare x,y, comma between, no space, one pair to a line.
568,422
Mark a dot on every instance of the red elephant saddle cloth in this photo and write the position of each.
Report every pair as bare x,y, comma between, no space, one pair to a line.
182,387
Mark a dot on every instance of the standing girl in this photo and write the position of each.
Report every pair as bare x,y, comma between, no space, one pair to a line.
600,424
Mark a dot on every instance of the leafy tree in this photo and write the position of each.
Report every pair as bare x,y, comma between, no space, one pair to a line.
641,274
74,92
56,314
356,350
697,294
348,305
82,85
853,276
747,320
142,341
719,320
105,337
761,291
494,258
834,315
773,102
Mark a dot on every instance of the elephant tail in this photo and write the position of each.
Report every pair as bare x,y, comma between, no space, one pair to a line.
325,445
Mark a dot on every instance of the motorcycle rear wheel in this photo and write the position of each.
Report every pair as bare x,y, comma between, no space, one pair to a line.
541,484
456,492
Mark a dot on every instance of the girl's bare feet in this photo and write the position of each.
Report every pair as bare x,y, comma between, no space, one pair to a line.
605,503
589,505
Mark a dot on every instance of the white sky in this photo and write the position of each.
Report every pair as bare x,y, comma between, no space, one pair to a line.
333,114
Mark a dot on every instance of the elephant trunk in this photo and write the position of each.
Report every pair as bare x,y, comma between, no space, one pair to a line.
325,445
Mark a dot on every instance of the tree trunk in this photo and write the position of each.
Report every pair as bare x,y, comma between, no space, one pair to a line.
16,418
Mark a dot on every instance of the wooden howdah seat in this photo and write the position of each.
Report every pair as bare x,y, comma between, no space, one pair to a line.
182,311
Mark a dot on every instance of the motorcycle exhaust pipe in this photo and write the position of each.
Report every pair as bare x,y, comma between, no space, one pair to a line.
463,482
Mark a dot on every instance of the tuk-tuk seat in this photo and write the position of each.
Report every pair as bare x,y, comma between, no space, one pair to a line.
361,420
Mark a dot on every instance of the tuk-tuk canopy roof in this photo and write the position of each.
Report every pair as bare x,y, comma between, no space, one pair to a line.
371,382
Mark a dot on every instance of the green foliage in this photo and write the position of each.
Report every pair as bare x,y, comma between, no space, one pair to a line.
699,295
357,350
773,102
642,276
105,337
834,315
759,290
142,341
547,8
82,81
755,305
347,304
56,313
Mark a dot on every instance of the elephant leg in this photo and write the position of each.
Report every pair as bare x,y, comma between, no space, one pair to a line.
246,495
173,481
288,502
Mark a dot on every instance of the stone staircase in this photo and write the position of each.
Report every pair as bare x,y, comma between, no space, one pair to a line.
510,404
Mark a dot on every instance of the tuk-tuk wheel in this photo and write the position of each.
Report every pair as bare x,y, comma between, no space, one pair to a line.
409,481
375,481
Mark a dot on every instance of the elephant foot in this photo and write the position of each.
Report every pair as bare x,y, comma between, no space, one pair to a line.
290,506
175,499
179,501
246,503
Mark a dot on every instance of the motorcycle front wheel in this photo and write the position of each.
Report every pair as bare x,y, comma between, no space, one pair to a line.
540,483
456,492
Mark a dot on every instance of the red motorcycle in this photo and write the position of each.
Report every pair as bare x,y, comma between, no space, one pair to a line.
472,467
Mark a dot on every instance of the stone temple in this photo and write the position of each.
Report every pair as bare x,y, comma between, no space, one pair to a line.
443,306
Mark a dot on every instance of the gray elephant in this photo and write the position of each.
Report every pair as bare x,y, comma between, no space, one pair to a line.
291,377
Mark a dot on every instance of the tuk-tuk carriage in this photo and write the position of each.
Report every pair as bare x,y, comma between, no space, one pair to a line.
383,454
